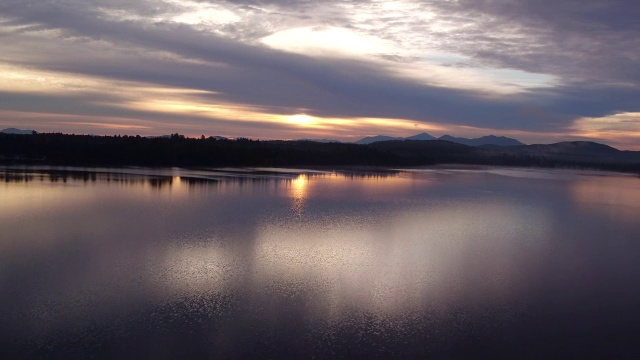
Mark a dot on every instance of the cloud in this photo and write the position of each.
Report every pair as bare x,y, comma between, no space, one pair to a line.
588,40
504,65
620,129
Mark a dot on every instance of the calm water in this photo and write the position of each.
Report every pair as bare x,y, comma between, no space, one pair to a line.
483,263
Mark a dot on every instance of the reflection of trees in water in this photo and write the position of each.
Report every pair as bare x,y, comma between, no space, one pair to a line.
17,177
368,173
238,178
154,181
57,176
160,182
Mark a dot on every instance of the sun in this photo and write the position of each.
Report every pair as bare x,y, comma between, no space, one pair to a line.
301,119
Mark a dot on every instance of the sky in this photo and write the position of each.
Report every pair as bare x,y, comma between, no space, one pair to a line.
541,71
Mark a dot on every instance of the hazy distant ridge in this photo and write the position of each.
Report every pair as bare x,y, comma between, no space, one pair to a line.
423,136
17,131
485,140
372,139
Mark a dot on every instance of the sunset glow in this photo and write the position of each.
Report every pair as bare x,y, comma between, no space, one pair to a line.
288,70
302,119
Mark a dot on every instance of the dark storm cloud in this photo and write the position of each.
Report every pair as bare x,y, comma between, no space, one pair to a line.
590,46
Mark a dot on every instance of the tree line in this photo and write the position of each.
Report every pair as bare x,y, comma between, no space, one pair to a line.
181,151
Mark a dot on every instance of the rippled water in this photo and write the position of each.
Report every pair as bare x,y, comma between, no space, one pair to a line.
276,263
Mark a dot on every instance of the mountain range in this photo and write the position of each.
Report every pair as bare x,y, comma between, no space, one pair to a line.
485,140
16,131
178,150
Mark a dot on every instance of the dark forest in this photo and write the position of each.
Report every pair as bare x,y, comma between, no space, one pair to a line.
178,150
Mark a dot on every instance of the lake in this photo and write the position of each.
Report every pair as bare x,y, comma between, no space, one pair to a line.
281,263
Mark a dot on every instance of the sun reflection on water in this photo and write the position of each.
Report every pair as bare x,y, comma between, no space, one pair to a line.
321,253
402,261
298,193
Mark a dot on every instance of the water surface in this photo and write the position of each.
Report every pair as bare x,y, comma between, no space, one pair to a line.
277,263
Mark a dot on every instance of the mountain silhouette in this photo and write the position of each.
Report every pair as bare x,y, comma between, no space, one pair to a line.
321,140
372,139
423,136
17,131
485,140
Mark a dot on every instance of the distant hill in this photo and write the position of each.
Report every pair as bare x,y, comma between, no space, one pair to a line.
159,137
326,141
372,139
485,140
583,148
571,154
579,151
17,131
423,136
170,136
